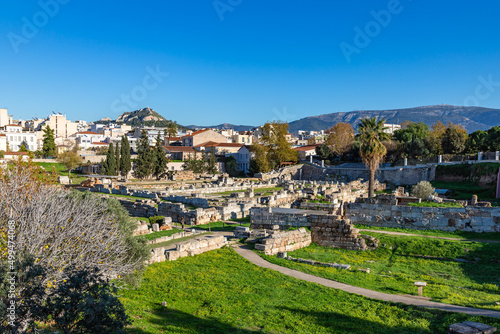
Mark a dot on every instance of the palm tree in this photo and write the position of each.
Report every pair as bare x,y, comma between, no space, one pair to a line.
370,136
171,131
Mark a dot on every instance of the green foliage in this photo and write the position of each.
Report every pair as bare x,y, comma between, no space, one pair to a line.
125,163
200,296
145,158
371,133
196,165
422,190
2,154
28,294
273,147
231,163
70,160
85,303
212,162
160,158
117,159
323,151
109,165
165,233
156,220
49,145
454,140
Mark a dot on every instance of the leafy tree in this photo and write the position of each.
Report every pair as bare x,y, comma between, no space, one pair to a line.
454,139
340,138
161,160
70,159
49,145
370,135
413,139
194,164
231,164
145,158
260,161
125,163
435,138
273,147
86,303
323,151
253,167
478,141
2,154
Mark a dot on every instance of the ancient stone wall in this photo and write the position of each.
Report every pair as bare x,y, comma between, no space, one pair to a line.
327,230
139,208
470,218
188,248
286,241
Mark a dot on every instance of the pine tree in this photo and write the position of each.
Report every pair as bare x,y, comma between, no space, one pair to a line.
110,161
49,145
145,157
125,164
161,160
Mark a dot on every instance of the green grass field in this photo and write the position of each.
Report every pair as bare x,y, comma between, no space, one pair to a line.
160,234
220,226
474,284
61,170
437,233
465,190
175,241
220,292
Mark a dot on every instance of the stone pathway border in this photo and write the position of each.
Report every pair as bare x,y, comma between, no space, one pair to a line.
251,256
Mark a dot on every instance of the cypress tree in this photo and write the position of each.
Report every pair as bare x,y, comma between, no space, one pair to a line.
145,158
117,159
212,162
125,163
161,160
110,161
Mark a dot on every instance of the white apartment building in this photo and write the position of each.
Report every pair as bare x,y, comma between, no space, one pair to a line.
88,139
15,137
5,118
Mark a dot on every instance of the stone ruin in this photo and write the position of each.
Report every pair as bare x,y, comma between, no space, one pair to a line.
285,241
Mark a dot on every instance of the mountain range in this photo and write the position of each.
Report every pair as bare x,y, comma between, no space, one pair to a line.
471,118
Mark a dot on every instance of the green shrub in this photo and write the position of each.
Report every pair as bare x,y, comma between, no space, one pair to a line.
422,190
156,220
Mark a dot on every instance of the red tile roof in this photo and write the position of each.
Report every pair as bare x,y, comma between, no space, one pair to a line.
88,133
16,153
179,148
214,144
99,143
195,133
305,148
174,138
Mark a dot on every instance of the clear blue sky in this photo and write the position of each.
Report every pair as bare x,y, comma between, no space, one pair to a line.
263,60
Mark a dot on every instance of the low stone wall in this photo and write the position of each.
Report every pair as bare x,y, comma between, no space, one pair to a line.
285,241
195,201
188,248
470,218
142,228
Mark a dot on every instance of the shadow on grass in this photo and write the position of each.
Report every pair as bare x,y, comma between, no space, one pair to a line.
168,320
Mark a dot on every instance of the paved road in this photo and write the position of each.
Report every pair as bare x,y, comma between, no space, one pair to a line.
257,260
429,236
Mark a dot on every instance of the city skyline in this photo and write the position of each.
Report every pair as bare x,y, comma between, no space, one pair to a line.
245,62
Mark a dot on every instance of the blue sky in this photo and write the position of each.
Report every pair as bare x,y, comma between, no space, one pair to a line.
242,61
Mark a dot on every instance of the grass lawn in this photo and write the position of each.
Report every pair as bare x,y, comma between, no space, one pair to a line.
429,204
159,234
220,292
175,241
465,190
456,234
61,170
220,226
474,284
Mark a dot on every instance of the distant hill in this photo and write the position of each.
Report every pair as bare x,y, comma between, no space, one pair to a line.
225,126
472,118
145,116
